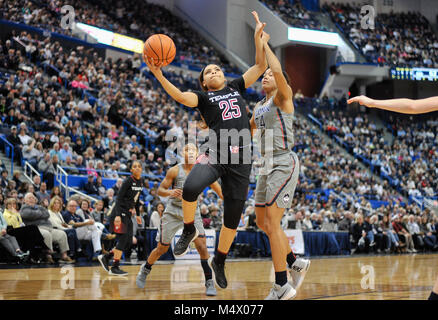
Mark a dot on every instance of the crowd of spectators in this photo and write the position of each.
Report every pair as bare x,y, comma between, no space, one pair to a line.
67,106
295,14
130,17
408,161
398,39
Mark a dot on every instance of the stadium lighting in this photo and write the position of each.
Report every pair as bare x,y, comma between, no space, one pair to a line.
313,36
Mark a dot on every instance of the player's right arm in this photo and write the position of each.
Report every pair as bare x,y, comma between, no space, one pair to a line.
163,189
187,98
408,106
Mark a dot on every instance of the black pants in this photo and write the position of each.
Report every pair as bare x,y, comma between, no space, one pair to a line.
123,239
73,242
30,239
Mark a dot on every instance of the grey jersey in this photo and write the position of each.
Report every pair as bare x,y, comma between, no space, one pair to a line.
279,136
178,183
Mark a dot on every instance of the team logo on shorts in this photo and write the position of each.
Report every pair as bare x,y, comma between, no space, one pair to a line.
286,198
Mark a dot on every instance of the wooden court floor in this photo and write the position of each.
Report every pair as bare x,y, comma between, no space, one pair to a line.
396,277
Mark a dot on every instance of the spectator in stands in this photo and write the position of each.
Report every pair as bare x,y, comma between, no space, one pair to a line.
307,223
117,186
368,228
205,215
47,168
30,153
34,214
29,237
361,242
42,193
4,179
100,187
58,222
403,234
16,143
98,213
56,191
65,152
216,219
414,229
430,240
17,178
10,242
24,138
156,215
85,228
109,198
91,187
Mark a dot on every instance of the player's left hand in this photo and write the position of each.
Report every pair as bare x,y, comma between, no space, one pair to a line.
133,212
362,100
259,25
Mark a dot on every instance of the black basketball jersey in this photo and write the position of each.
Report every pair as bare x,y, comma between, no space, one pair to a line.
128,195
225,109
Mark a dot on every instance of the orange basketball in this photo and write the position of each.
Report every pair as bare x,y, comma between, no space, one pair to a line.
160,48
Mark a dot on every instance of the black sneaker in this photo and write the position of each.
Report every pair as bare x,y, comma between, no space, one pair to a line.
104,261
182,246
117,271
218,273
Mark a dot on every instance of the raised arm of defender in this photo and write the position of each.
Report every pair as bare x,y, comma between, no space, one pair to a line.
399,105
254,73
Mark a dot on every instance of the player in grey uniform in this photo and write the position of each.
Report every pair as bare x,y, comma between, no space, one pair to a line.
172,219
278,178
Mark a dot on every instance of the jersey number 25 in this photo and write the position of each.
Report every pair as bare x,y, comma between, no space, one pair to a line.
230,109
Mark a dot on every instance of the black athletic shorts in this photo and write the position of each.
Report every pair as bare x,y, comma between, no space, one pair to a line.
234,178
125,233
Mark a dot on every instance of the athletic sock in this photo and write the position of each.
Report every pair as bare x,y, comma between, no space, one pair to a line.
189,227
207,269
433,296
281,278
220,257
110,254
116,263
290,258
148,266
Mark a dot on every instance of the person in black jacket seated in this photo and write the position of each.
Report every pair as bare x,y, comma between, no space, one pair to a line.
91,187
16,142
361,241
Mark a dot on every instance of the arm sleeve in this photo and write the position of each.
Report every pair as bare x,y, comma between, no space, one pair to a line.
238,84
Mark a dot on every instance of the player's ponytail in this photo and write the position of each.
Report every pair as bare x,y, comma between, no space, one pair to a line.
201,80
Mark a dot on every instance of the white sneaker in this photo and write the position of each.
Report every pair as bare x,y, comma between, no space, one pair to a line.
298,272
285,292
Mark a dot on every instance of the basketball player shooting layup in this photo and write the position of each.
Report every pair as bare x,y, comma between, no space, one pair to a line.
172,219
408,106
276,185
224,110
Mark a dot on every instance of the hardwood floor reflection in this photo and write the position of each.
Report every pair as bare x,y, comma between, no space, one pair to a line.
396,277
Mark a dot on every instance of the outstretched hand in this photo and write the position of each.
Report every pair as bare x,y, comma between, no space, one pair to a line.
155,69
362,100
259,25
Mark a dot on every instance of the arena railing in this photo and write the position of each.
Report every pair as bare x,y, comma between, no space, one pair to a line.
61,178
29,172
121,173
8,149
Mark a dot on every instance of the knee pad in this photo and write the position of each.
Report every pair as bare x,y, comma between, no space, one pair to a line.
233,209
190,192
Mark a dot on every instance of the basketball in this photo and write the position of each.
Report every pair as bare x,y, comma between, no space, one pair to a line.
160,48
